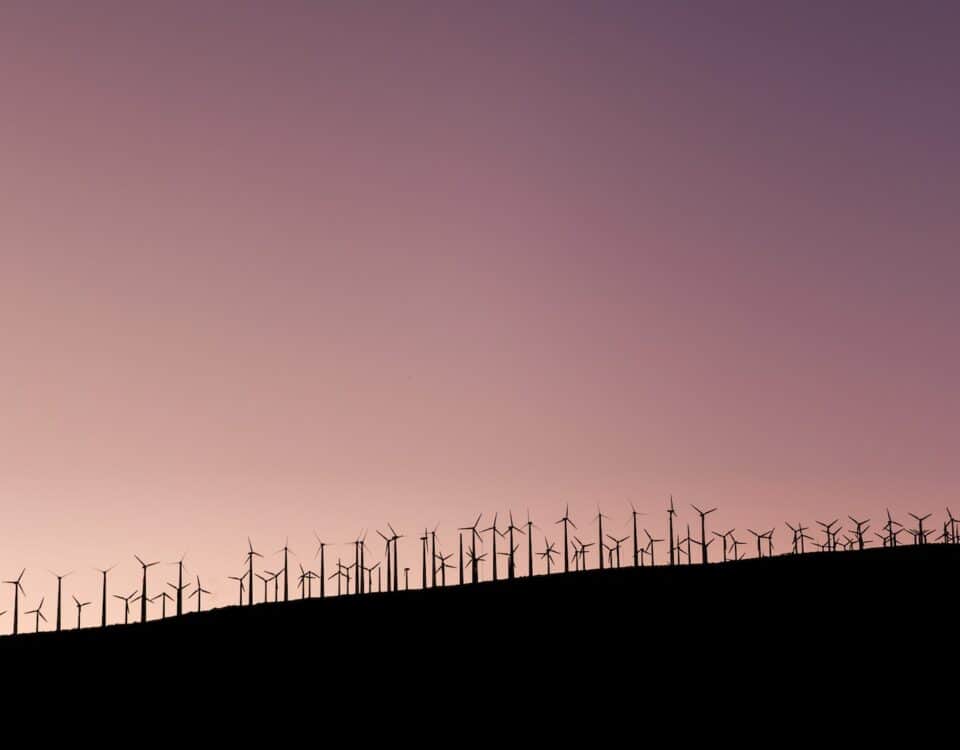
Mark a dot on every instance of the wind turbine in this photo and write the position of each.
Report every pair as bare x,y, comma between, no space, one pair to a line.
952,522
475,560
736,544
636,546
921,538
583,551
17,590
530,528
703,532
444,565
722,536
671,512
616,548
566,544
250,555
240,579
275,577
179,588
143,590
548,553
433,555
80,606
891,532
396,564
511,568
164,598
862,526
423,556
199,591
59,582
768,535
386,541
126,605
38,613
103,606
339,575
600,544
830,534
496,532
321,545
474,535
650,544
285,549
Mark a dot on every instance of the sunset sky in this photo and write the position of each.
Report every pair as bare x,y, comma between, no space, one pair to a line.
271,267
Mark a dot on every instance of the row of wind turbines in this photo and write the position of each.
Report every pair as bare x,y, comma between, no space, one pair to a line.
357,578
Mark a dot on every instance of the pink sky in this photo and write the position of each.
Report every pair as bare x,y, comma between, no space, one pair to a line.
270,268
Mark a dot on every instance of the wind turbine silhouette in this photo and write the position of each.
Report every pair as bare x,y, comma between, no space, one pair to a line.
548,552
703,532
164,597
38,612
953,527
759,537
650,545
433,555
17,590
443,567
423,556
768,535
723,537
636,547
285,549
474,535
250,555
59,582
198,592
796,536
386,540
511,568
103,605
143,589
583,551
671,512
862,526
179,588
275,577
615,551
566,544
321,545
240,579
831,535
530,528
338,574
496,532
920,538
475,561
600,544
80,606
736,544
126,605
891,532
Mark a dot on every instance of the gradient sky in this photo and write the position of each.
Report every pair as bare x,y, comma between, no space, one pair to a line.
274,267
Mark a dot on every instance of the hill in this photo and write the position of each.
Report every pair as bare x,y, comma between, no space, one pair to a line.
782,621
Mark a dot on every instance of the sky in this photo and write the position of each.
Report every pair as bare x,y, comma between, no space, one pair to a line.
275,268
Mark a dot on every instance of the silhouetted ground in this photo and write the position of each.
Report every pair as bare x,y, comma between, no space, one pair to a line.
782,626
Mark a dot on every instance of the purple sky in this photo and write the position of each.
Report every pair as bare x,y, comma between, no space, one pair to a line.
269,267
